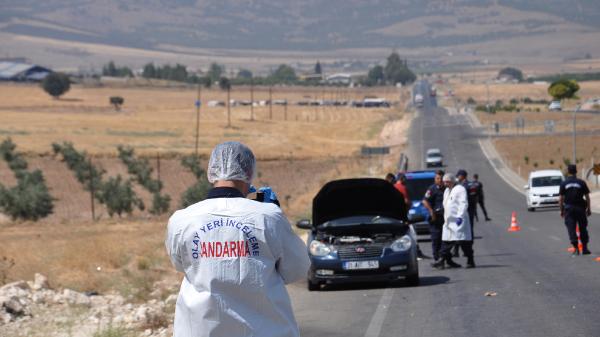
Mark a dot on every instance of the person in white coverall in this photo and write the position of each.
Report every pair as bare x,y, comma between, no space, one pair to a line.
237,255
456,229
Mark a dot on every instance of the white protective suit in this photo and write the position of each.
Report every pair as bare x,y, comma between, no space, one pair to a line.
237,255
456,206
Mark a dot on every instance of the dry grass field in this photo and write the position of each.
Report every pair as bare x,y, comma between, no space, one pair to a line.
527,153
295,156
163,120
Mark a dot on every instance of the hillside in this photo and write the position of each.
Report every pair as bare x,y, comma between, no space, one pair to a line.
313,26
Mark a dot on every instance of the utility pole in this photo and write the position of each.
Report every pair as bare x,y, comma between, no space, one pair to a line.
228,107
575,134
91,189
198,103
251,99
270,102
158,165
285,110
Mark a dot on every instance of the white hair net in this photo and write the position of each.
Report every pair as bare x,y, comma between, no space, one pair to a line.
231,161
449,177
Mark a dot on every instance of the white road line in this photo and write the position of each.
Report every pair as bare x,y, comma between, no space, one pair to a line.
376,323
555,238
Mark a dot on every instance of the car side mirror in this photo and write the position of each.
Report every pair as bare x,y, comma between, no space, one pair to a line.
304,224
526,187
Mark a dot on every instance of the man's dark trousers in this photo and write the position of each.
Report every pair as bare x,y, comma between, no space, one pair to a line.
435,229
574,216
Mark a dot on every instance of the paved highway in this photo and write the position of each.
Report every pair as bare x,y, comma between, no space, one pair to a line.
540,290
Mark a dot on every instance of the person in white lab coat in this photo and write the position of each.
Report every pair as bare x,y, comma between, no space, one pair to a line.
456,229
236,254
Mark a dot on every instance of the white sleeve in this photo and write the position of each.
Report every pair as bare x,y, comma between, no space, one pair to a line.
292,260
461,202
173,243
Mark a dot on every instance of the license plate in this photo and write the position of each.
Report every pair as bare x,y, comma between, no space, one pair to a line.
354,265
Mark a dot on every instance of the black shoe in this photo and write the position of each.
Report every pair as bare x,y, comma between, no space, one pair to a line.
438,264
488,219
452,264
420,255
585,251
471,263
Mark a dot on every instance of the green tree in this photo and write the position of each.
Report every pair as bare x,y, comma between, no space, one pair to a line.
149,71
56,84
29,199
563,89
119,197
224,83
284,74
375,76
215,72
244,74
318,68
512,72
116,101
396,70
195,193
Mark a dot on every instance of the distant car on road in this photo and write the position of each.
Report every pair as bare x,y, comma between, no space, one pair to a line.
554,106
418,100
542,189
417,183
434,158
359,233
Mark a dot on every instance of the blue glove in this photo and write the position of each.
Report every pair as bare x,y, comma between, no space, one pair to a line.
269,194
459,221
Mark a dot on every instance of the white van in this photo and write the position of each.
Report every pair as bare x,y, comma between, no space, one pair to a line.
542,189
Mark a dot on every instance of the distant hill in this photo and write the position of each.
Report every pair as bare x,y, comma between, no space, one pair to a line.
307,25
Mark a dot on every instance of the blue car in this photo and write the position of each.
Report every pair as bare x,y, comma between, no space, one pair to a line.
359,233
417,183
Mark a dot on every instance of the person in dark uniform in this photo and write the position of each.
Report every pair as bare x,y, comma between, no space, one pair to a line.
575,207
479,187
390,178
434,202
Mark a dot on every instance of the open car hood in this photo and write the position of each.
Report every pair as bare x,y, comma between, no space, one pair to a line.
355,197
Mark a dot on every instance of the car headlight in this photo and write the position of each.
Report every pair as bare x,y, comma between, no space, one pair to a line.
317,248
401,245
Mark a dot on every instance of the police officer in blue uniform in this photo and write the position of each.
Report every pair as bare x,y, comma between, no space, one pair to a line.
575,207
434,202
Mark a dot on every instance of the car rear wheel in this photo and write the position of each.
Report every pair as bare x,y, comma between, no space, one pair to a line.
531,209
312,286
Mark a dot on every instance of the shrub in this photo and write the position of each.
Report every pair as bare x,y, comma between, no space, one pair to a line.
195,193
116,101
535,164
119,197
526,158
142,172
86,173
471,101
192,163
56,84
551,161
29,199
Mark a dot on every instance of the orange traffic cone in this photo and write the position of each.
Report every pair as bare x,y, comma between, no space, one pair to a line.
580,244
598,259
514,226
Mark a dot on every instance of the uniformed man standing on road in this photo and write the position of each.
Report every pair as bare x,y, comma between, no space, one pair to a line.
575,207
236,254
434,202
479,188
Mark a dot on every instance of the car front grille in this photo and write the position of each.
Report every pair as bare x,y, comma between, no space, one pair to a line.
347,252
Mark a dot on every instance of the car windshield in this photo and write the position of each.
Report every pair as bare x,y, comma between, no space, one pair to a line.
416,188
434,155
546,181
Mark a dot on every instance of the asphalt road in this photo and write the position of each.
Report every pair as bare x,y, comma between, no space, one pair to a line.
538,288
